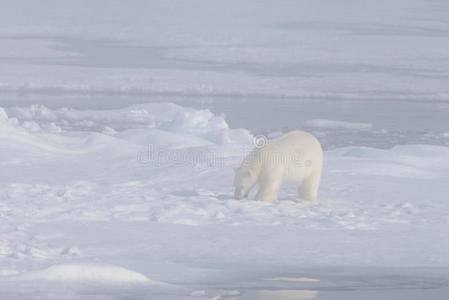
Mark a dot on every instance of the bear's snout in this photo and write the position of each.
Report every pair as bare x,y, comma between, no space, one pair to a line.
239,194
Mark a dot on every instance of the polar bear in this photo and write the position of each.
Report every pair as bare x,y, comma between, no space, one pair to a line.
294,157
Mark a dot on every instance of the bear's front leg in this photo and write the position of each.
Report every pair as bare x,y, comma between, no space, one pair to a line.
268,191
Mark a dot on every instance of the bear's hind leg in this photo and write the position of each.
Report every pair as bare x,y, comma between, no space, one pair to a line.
309,188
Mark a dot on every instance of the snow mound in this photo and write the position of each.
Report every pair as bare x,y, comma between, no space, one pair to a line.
3,114
406,161
164,124
196,120
153,115
32,134
96,273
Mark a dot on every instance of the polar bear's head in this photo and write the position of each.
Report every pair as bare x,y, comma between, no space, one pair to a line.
244,181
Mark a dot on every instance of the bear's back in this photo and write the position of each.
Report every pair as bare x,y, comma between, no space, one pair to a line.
296,153
294,139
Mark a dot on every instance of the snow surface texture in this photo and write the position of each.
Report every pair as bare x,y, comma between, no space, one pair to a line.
116,197
345,50
152,192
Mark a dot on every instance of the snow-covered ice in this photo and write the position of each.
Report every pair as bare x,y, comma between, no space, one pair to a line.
129,196
121,123
302,49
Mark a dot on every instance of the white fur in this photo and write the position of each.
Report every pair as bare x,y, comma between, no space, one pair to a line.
294,157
